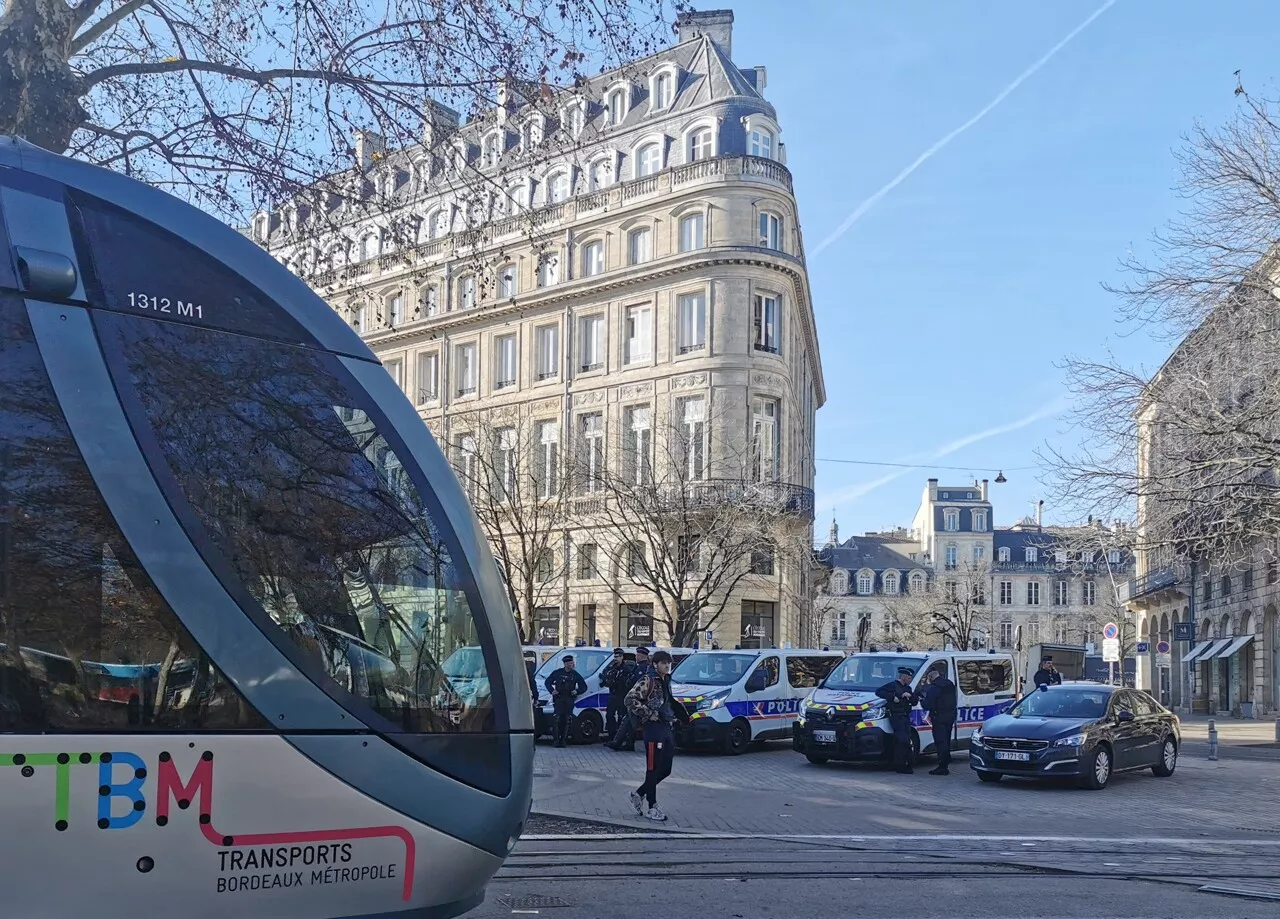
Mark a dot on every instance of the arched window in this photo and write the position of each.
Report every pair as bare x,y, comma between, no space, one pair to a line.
436,223
891,582
592,259
601,174
548,270
693,231
492,150
518,195
617,106
368,246
917,582
574,120
866,582
1003,554
395,309
648,160
429,300
507,282
839,583
558,188
467,292
700,145
661,91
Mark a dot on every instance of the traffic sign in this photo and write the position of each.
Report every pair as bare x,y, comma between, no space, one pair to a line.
711,635
1162,654
1111,650
1184,631
1110,630
1143,647
1162,647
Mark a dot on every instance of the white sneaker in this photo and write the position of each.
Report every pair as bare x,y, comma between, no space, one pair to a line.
638,803
654,813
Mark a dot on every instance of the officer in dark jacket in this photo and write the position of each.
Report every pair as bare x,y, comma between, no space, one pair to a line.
899,698
619,676
939,700
1048,674
625,738
564,685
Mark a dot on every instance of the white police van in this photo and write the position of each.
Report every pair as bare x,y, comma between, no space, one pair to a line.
736,697
845,720
589,708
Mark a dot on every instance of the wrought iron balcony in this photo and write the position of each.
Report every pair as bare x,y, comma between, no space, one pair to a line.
1157,584
778,497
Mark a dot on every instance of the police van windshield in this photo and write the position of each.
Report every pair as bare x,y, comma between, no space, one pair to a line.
1060,702
714,669
867,672
585,660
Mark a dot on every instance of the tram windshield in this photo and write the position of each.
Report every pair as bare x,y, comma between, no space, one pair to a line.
307,502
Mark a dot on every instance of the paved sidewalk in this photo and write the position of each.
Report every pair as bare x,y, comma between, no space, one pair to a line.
776,791
1231,731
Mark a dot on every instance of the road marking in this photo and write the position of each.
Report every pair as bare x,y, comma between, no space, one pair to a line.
898,838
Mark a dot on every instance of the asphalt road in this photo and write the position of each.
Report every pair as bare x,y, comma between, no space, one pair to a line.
675,876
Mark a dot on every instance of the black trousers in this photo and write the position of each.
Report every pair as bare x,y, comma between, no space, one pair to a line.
615,714
625,736
659,752
560,730
901,740
943,732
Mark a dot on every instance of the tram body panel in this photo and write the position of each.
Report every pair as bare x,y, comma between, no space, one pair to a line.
283,838
234,558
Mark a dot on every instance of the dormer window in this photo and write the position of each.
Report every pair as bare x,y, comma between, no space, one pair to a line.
574,118
601,174
649,160
1003,555
951,520
839,583
519,197
760,143
700,145
492,150
260,224
866,583
532,133
891,582
558,187
1031,554
979,521
661,90
368,246
617,105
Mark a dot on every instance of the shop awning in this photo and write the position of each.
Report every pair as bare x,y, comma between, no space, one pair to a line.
1236,645
1214,649
1196,651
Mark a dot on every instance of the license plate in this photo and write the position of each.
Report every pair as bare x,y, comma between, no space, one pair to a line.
1016,757
824,736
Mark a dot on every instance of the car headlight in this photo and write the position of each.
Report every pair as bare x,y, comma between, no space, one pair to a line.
1075,740
707,705
874,713
977,733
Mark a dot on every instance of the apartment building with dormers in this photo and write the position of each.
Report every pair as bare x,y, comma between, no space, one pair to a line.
623,258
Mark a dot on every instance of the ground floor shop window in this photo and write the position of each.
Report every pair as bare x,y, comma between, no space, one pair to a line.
758,623
636,623
546,625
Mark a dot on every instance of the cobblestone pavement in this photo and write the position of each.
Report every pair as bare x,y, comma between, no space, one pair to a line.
776,791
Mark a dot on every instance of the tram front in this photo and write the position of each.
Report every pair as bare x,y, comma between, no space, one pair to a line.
232,563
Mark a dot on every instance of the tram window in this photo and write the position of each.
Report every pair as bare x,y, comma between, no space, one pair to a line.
86,641
186,285
313,511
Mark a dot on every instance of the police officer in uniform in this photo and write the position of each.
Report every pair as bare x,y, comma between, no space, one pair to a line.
564,685
625,738
939,700
899,701
618,677
1048,674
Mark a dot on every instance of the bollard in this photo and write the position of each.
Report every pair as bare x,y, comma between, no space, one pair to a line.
1213,739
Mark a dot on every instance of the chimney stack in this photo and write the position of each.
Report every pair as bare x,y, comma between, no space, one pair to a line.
933,489
984,492
1040,514
441,121
716,25
368,146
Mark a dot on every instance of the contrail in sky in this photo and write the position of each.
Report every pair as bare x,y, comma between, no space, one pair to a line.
901,177
1048,410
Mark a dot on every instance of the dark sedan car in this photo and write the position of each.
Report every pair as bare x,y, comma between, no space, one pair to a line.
1088,731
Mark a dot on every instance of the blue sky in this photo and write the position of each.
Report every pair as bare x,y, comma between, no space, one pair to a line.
943,309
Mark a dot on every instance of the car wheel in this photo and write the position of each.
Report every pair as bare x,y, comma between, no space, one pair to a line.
990,776
1168,759
737,737
816,758
1096,771
588,727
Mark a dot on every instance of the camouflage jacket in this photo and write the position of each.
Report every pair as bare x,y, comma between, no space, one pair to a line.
644,701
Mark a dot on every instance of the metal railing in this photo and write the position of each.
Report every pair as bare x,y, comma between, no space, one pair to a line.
1166,577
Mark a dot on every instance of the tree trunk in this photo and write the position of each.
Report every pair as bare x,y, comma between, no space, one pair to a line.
39,92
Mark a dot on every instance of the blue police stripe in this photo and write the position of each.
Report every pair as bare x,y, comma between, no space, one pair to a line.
966,714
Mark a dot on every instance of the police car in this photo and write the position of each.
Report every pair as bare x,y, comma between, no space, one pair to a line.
845,720
737,697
